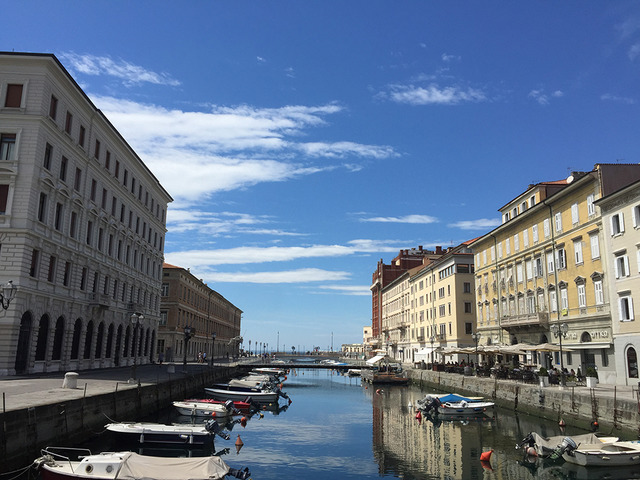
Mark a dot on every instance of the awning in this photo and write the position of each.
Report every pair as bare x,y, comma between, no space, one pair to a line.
376,359
586,346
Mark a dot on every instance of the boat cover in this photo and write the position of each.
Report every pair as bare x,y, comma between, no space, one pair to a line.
454,397
375,360
550,443
141,467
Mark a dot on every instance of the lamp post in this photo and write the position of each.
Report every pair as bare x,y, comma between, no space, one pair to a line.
136,320
188,333
476,338
560,331
213,346
433,339
8,294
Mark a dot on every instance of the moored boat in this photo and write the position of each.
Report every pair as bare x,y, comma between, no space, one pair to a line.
464,408
205,409
614,454
537,445
141,432
226,392
80,464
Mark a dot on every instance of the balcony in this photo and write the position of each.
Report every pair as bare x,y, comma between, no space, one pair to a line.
527,319
99,300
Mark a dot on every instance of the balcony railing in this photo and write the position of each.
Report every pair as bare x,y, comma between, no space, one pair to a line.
539,318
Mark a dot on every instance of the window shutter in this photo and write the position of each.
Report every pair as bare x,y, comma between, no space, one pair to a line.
617,267
621,218
626,266
630,304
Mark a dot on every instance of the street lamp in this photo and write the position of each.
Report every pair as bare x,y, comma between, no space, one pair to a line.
433,339
476,338
8,293
213,346
560,332
188,333
136,320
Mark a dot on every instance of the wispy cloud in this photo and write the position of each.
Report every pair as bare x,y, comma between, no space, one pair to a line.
230,148
615,98
357,290
434,94
479,224
423,219
543,98
129,73
303,275
450,58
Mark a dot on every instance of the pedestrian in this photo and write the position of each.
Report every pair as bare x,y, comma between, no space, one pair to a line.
160,358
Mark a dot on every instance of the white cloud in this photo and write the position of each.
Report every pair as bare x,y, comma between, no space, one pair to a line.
450,58
357,290
303,275
634,51
481,223
422,219
129,73
229,148
434,95
543,98
617,99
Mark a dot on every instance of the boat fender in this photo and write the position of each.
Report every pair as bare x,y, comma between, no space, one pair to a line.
243,421
486,456
419,415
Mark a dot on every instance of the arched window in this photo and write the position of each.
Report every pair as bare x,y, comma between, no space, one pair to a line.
58,338
88,339
99,340
109,341
75,344
632,362
43,337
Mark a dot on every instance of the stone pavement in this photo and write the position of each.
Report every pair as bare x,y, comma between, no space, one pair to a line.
29,391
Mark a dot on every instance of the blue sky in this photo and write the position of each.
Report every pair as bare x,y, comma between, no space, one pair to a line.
303,141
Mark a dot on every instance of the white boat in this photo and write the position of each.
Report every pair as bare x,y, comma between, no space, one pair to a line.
535,444
222,392
204,409
431,401
80,464
615,454
464,407
278,372
354,372
141,432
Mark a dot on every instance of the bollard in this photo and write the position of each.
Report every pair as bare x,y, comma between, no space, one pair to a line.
70,380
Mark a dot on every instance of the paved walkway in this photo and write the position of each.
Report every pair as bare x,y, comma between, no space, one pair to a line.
33,390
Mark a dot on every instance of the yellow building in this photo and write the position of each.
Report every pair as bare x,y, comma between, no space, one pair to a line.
540,275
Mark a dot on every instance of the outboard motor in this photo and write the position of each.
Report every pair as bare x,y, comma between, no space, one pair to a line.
243,474
430,403
231,407
567,446
212,427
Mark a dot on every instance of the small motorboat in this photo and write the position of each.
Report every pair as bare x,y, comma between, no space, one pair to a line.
196,408
243,406
464,407
278,372
612,454
181,434
227,391
432,401
354,372
536,445
58,463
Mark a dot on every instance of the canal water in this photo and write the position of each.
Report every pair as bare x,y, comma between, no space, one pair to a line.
337,428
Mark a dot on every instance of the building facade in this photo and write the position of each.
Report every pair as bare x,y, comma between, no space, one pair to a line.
213,322
82,228
540,276
442,304
621,232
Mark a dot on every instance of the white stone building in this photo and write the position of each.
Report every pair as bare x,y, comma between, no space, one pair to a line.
82,228
621,223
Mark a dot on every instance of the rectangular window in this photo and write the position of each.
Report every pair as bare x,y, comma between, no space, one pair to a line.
575,218
538,269
7,145
107,160
467,307
77,180
68,123
53,107
525,238
591,209
622,266
595,246
599,294
114,206
117,171
553,301
42,208
67,274
104,199
89,232
48,153
63,168
51,274
564,299
534,233
13,98
467,287
81,136
617,224
96,150
35,261
561,258
57,222
4,196
546,228
529,269
83,279
94,187
577,248
582,296
558,222
73,225
625,305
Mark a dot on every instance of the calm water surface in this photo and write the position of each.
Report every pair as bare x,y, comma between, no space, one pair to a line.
337,428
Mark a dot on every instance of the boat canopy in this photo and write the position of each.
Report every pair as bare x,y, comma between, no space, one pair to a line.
136,466
375,360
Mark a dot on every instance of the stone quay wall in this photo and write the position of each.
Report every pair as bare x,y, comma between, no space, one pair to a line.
26,431
577,406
